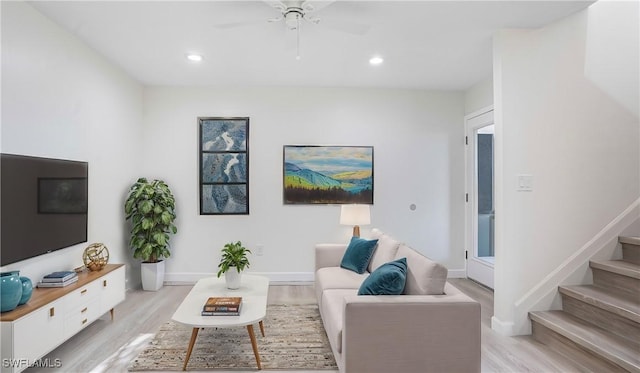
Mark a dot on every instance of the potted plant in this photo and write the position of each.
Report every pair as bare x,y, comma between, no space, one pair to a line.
234,260
150,206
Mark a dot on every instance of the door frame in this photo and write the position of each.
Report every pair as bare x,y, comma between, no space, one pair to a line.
477,270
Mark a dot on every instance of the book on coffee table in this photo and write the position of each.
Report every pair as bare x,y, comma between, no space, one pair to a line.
222,304
222,313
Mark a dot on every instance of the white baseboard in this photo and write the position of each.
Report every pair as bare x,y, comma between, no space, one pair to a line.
190,278
502,327
290,278
457,273
187,278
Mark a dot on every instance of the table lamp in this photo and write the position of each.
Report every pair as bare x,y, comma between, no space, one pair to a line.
355,215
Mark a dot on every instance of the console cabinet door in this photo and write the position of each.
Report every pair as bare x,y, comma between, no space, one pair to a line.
39,332
113,289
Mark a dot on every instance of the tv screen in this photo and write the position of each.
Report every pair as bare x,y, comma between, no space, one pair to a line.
43,205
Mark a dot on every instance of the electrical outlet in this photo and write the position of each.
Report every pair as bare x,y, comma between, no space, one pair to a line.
259,250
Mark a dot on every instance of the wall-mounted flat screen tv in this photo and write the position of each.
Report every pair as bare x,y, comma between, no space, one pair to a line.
43,205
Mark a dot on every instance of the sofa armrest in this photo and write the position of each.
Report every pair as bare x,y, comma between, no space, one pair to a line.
411,333
329,254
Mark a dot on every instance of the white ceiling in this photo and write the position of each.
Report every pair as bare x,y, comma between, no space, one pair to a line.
426,44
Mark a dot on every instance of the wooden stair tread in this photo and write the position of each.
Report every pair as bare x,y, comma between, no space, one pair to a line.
616,302
633,240
617,266
596,340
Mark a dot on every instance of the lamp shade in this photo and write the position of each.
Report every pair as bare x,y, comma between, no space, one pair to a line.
355,215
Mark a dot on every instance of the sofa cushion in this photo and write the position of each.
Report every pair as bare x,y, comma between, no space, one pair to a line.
388,279
332,310
424,276
385,251
337,278
358,254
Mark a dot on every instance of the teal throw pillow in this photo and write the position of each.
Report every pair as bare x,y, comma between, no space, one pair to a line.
388,279
358,254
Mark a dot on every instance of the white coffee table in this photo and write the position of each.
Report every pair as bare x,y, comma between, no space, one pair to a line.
253,290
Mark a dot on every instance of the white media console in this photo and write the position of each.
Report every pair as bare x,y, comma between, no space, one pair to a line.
53,315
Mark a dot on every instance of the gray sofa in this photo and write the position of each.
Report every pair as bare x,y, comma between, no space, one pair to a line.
431,327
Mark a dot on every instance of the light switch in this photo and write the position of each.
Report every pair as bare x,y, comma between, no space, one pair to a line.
525,183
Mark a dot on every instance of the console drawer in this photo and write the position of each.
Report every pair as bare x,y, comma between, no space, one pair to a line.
82,296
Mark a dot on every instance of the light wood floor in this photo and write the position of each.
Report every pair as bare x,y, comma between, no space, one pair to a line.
108,346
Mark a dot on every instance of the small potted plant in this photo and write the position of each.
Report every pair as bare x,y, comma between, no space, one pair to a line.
234,260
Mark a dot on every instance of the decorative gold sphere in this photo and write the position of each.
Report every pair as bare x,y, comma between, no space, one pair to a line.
95,256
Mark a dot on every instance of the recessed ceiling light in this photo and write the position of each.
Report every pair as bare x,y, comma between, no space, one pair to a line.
376,60
194,57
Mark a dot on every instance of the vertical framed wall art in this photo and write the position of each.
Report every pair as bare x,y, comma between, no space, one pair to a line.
327,174
224,166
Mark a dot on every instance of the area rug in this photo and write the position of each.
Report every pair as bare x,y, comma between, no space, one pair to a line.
294,340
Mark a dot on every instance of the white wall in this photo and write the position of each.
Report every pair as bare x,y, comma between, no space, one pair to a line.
60,99
418,159
581,146
479,96
611,61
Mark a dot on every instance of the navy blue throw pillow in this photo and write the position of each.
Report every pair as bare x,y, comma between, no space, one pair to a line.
388,279
358,254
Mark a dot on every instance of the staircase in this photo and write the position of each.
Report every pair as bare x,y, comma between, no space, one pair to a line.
599,325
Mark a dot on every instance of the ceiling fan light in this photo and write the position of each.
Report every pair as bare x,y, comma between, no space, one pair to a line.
376,60
292,19
194,57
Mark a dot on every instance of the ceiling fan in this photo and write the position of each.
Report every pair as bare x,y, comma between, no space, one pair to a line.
293,13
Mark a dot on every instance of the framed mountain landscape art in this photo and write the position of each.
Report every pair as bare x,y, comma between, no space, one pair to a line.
224,166
327,174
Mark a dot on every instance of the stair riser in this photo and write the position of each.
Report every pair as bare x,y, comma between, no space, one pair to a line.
615,281
631,253
606,320
572,350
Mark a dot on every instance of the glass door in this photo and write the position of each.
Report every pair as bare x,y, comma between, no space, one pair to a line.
480,198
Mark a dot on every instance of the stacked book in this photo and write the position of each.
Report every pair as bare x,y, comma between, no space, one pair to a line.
58,279
222,306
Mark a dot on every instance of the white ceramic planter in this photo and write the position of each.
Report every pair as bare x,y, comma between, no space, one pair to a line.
152,275
232,278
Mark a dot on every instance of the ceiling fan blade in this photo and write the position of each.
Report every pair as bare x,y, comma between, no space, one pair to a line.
315,5
279,5
275,19
344,26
